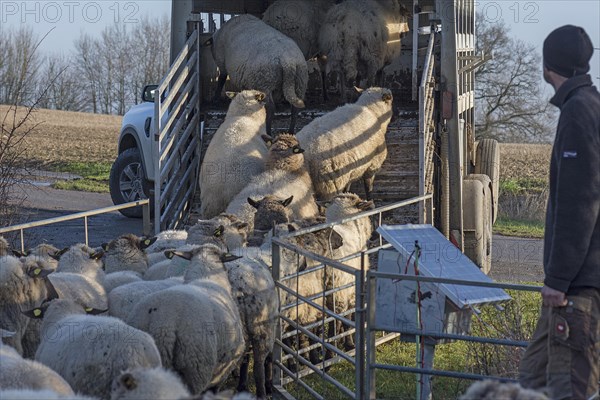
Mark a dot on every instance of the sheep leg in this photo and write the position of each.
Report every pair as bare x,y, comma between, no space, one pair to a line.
270,108
269,374
243,378
294,113
260,355
322,60
220,86
368,180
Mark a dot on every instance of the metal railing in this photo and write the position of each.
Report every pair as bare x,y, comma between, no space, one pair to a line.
178,137
322,301
145,204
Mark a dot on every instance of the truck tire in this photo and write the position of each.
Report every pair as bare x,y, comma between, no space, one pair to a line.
477,222
127,182
488,163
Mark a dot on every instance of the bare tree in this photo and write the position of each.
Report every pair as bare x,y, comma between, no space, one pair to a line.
19,64
66,92
87,61
510,103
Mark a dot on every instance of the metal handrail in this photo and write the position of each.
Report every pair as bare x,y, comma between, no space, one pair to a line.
145,203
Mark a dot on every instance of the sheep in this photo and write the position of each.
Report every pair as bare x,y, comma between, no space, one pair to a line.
301,20
348,143
5,248
492,390
270,210
45,251
81,259
196,326
27,394
89,351
143,383
120,278
226,395
258,56
235,154
21,286
355,235
126,253
173,266
286,175
360,37
18,373
122,300
224,230
254,290
169,239
79,288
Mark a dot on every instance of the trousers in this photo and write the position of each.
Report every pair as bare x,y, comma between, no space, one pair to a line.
564,354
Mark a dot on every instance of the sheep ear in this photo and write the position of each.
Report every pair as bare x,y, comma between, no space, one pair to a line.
18,253
97,255
231,95
208,42
36,313
291,228
219,231
104,246
298,150
57,255
253,203
366,205
386,97
227,257
39,272
169,254
287,201
240,226
323,204
94,311
268,140
187,255
335,239
51,293
128,381
147,242
359,90
260,96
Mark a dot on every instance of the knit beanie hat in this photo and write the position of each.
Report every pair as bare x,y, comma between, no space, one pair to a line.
567,51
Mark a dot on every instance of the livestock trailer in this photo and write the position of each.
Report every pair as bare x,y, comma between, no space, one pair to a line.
431,140
432,153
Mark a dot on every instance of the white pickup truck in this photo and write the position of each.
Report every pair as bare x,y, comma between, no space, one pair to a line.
132,173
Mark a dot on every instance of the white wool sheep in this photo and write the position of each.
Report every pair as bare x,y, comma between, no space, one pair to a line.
169,239
89,352
226,395
224,230
38,395
355,235
122,299
120,278
81,259
79,288
493,390
172,267
45,251
143,383
196,326
348,143
21,287
254,290
235,154
360,37
18,373
258,56
127,253
4,247
301,20
286,176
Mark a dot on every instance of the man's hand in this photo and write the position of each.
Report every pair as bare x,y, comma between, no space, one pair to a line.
553,298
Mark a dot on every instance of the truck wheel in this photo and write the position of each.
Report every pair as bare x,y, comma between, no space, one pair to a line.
127,182
488,163
477,222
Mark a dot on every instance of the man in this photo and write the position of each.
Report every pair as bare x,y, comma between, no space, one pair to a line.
563,356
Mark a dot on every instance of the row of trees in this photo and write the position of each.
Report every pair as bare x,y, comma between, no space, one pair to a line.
101,75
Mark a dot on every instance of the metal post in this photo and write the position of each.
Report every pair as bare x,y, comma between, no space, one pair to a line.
22,240
370,391
146,223
275,270
359,319
85,224
415,50
427,362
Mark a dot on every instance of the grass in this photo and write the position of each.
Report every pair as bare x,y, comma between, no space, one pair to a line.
525,229
523,185
516,322
94,175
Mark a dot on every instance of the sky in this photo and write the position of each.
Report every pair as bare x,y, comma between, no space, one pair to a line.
530,21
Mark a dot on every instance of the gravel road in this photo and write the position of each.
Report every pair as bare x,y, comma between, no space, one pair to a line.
513,259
